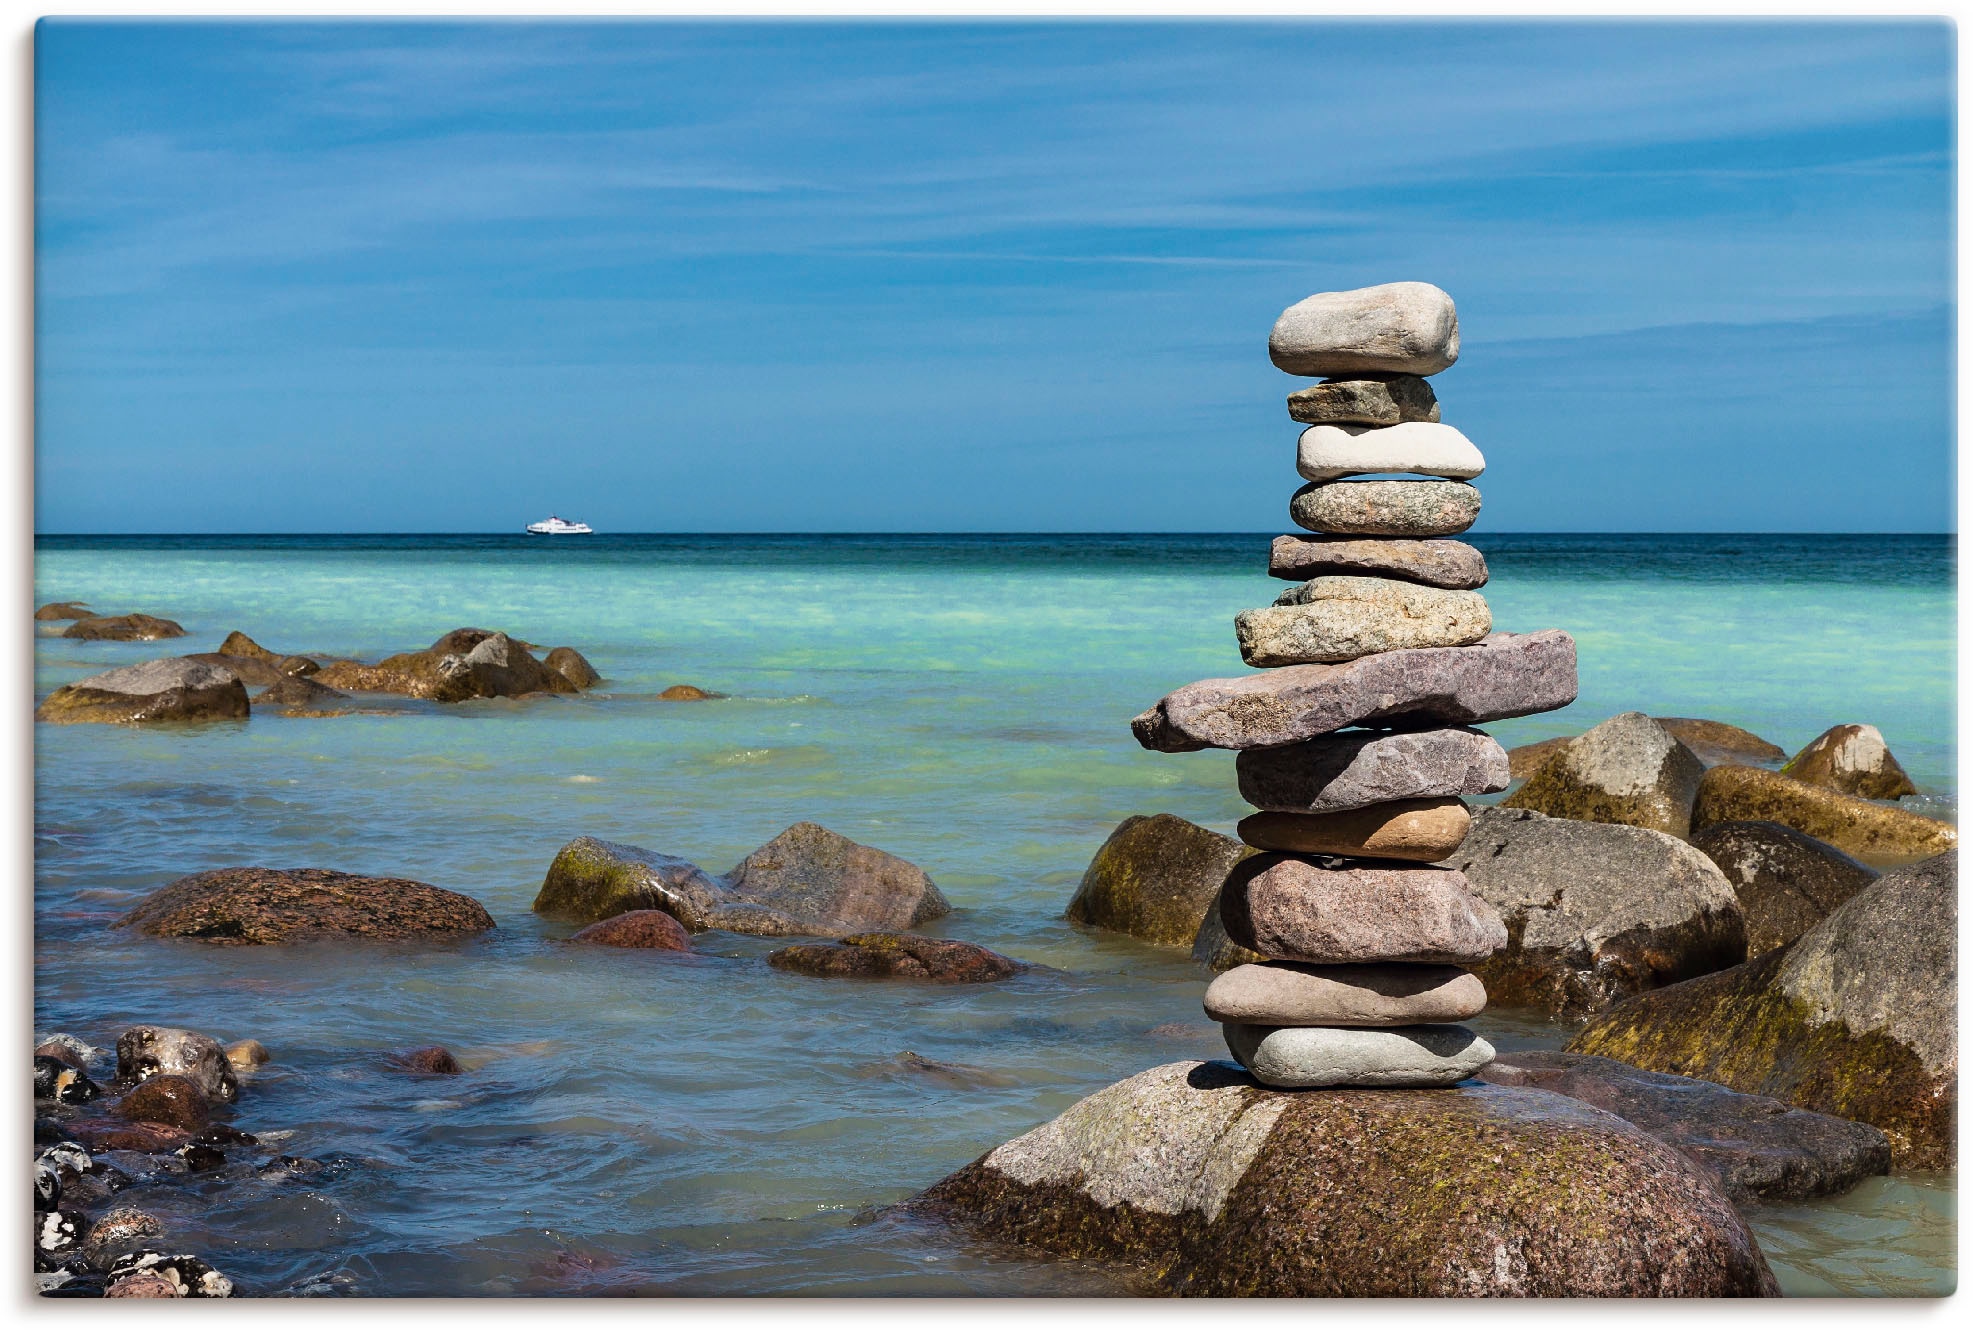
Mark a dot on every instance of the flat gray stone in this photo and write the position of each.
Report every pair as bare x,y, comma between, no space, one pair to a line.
1412,508
160,676
1332,619
1396,328
1416,1056
1357,768
1502,675
1330,452
1389,399
1443,563
1290,993
1291,908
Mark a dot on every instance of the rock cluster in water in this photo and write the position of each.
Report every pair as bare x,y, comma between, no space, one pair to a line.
1356,745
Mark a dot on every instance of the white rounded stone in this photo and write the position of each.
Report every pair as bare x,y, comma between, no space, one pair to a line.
1330,452
1405,1056
1396,328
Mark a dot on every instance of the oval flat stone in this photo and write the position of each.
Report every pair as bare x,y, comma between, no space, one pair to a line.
1331,619
1291,909
1388,399
1329,452
1287,993
1358,768
1385,507
1418,1056
1446,563
1426,830
1397,327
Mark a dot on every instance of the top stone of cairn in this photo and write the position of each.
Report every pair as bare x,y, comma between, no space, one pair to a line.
1397,328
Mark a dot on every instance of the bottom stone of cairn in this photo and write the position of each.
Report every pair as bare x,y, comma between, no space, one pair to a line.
1409,1056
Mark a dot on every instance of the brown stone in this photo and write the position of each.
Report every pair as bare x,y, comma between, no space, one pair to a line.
571,665
1293,909
144,1284
169,689
1878,835
651,930
56,611
1387,399
1285,993
1627,770
295,693
123,628
263,906
685,692
174,1101
1213,949
1787,882
247,1054
432,1060
144,1051
465,663
1715,741
1442,563
1425,830
140,1137
1526,760
896,956
1851,759
1155,878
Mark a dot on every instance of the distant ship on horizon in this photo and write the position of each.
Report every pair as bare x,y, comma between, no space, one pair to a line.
555,526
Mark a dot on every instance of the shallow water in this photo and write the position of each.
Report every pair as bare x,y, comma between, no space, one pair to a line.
637,1122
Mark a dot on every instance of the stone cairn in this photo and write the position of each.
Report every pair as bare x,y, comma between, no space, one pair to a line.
1355,740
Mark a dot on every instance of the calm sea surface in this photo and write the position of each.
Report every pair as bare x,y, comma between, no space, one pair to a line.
649,1123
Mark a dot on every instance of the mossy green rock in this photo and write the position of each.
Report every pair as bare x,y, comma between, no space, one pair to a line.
1469,1191
1877,834
1155,878
1854,1018
595,879
1628,771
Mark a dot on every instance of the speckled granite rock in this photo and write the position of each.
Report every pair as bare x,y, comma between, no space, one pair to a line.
810,872
1423,830
1464,1192
266,906
1411,508
896,956
1393,328
1758,1149
644,930
1504,674
1878,835
1155,878
1443,563
1388,399
1380,993
1855,1018
1331,619
1627,770
171,689
1851,759
144,1051
1294,909
1358,768
1787,882
1595,912
1303,1057
1330,452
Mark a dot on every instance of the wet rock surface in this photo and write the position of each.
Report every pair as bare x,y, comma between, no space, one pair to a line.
1594,911
1851,759
1360,768
1759,1150
1628,770
685,692
172,1101
593,879
647,930
1503,675
1855,1018
431,1060
1787,882
57,610
123,628
144,1051
1155,878
1452,564
271,906
896,956
1459,1192
171,689
573,666
1877,834
465,663
299,693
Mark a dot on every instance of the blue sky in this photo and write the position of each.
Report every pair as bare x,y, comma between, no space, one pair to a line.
947,276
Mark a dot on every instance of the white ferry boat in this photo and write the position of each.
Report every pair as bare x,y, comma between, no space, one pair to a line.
555,526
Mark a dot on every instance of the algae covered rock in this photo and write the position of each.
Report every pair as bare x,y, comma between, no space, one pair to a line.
123,628
571,665
1787,882
1874,833
1715,741
593,879
298,693
172,689
1155,878
1851,759
896,956
1855,1018
269,906
465,663
1627,770
1217,951
58,610
1471,1191
1595,911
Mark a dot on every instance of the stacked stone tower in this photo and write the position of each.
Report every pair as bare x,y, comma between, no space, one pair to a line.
1354,741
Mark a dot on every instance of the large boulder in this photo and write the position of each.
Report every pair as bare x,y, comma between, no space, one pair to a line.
896,956
1715,741
1155,878
1392,328
1855,1018
1627,770
1502,675
1595,911
1787,882
266,906
1851,759
810,872
123,628
1760,1151
173,688
1471,1191
465,663
1878,835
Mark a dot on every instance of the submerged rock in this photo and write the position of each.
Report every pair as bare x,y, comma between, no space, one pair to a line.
170,689
896,956
465,663
1463,1192
1595,911
1393,328
57,610
175,1101
144,1051
123,628
432,1060
1410,508
1155,878
297,693
1851,759
1627,770
1760,1151
1854,1018
571,665
266,906
241,647
1787,882
61,1082
648,930
1443,563
595,879
246,1055
1874,833
685,692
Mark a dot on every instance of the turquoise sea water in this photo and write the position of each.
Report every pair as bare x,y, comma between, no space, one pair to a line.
704,1124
